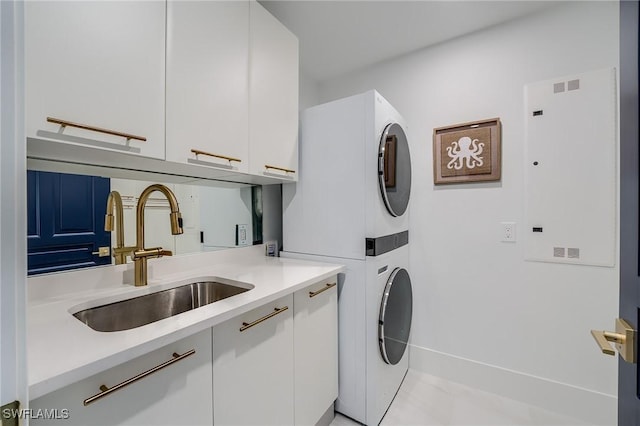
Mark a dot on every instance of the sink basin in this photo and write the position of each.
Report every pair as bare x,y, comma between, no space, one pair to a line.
138,311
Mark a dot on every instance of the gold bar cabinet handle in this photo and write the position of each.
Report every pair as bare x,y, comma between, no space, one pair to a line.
266,166
276,311
323,289
65,123
224,157
106,390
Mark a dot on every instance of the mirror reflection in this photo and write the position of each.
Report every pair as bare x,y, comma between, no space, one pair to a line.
66,219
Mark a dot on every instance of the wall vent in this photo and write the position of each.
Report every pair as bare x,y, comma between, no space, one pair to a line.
573,253
558,87
573,85
558,252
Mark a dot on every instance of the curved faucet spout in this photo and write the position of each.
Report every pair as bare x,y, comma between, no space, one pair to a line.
175,217
140,255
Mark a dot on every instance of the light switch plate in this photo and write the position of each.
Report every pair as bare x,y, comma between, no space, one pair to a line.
241,234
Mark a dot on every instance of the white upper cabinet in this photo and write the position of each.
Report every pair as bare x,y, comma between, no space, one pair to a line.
100,65
207,83
273,96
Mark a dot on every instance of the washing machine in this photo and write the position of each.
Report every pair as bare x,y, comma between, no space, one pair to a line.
375,301
350,206
355,179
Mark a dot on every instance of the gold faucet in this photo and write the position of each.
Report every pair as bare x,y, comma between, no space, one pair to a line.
141,254
120,252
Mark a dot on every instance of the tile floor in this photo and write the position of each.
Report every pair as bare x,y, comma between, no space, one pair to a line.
428,400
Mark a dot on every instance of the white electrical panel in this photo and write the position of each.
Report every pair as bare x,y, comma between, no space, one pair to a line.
570,169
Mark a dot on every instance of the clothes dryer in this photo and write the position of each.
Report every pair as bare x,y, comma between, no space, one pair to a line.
355,178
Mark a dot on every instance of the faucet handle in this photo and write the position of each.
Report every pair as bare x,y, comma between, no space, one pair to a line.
150,252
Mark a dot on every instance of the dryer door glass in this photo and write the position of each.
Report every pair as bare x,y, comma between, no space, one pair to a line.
394,169
395,316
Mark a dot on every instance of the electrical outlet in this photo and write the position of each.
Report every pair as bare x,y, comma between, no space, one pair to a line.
509,232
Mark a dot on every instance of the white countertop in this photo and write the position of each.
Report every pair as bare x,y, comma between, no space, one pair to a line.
62,350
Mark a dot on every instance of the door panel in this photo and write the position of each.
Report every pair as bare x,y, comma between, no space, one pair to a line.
65,221
628,402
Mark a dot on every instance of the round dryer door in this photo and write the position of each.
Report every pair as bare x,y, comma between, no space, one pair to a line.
394,169
395,316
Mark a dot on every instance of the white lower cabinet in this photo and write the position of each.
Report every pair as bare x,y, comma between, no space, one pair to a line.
315,334
274,365
253,367
179,394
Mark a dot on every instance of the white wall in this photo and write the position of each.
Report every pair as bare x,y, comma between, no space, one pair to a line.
309,91
478,304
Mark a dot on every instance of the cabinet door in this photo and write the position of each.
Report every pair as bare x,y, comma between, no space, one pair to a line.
273,99
253,368
99,64
207,83
316,350
179,394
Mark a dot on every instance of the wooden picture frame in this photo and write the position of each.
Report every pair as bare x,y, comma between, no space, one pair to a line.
467,152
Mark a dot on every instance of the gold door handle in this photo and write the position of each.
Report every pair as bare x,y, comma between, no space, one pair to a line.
224,157
102,252
276,311
104,390
282,169
325,288
65,123
624,339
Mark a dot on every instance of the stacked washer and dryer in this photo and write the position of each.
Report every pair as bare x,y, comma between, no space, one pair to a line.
350,207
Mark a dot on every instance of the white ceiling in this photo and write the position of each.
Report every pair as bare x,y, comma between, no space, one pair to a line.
341,36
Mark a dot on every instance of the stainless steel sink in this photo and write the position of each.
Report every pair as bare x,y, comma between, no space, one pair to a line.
138,311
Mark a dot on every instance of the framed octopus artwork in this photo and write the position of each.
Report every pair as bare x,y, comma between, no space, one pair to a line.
467,152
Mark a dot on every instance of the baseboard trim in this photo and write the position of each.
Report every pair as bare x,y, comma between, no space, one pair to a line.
582,404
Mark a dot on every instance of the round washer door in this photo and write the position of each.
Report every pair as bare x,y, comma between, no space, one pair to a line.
394,169
394,323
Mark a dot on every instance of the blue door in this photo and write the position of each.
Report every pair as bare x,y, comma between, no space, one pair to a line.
65,222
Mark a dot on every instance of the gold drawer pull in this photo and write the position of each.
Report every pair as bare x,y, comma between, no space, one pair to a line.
275,312
325,288
266,166
106,390
65,123
224,157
